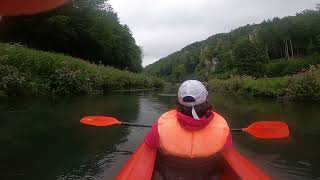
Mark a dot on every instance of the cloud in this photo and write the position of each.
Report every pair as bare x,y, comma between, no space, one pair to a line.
162,27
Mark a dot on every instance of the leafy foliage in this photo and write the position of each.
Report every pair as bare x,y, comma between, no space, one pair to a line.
282,67
24,71
11,80
250,58
88,29
305,85
302,86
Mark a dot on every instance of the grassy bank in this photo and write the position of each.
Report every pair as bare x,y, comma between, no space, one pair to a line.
302,86
25,71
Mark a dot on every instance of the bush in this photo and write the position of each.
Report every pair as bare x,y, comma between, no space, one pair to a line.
68,81
31,72
275,87
11,80
305,85
14,82
247,85
283,67
302,86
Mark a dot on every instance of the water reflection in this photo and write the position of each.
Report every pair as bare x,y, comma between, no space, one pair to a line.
292,158
42,138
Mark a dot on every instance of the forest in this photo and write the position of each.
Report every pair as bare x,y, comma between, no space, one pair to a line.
274,48
86,29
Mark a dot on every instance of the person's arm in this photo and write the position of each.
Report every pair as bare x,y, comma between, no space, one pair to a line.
152,138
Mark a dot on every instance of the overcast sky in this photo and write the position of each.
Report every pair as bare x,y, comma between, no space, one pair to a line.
162,27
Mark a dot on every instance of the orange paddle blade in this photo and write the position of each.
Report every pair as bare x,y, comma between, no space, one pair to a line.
100,121
268,129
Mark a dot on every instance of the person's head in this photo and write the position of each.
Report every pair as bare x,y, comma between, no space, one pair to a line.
193,99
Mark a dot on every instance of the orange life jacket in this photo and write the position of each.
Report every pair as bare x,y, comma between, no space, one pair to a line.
179,142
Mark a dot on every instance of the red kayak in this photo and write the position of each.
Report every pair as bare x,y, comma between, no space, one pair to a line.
141,164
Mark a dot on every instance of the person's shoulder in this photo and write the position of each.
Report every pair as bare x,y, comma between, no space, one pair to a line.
218,116
168,115
216,113
172,112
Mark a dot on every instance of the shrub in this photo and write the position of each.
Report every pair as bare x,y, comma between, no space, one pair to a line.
31,72
68,81
305,85
302,86
283,67
14,82
275,87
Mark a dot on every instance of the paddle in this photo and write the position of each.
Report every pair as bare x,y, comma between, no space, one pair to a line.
262,129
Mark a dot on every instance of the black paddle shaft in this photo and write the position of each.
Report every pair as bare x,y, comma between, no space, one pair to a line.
132,124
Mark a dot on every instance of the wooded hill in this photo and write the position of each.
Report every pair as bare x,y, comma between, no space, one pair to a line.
86,29
285,45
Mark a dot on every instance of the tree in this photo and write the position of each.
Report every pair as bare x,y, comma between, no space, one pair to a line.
249,58
179,72
88,29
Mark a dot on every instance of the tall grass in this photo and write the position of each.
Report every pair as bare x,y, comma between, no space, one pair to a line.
277,67
25,71
302,86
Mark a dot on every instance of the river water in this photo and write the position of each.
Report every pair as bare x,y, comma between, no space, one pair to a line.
41,138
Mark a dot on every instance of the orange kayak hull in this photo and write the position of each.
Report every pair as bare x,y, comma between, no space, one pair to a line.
141,163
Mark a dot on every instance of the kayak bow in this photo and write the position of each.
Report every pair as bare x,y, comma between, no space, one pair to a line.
141,164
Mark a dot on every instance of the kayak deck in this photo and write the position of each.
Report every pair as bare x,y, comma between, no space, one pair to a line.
238,167
141,164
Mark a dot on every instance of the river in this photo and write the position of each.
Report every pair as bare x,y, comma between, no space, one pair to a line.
41,138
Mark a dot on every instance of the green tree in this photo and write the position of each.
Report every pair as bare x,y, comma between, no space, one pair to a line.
88,29
179,72
249,58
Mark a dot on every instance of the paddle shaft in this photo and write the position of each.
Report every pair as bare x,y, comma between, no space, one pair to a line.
133,124
141,125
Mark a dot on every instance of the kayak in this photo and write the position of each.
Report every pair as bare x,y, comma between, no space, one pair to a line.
141,165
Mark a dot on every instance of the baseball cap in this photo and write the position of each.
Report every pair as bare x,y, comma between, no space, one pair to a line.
191,93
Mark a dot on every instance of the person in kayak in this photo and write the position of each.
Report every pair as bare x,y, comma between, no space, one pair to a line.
191,138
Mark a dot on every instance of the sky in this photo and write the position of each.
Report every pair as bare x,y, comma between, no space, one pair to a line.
162,27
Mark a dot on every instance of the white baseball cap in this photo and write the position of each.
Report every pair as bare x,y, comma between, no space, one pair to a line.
191,93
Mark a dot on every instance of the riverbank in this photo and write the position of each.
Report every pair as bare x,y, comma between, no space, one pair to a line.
31,72
302,86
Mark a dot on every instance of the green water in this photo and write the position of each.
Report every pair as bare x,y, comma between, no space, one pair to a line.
41,138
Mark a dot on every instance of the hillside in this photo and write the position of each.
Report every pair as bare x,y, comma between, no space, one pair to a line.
257,50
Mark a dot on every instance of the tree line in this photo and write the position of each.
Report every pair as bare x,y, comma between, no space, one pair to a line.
245,50
87,29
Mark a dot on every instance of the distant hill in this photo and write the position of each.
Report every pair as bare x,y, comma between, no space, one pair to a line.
247,50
